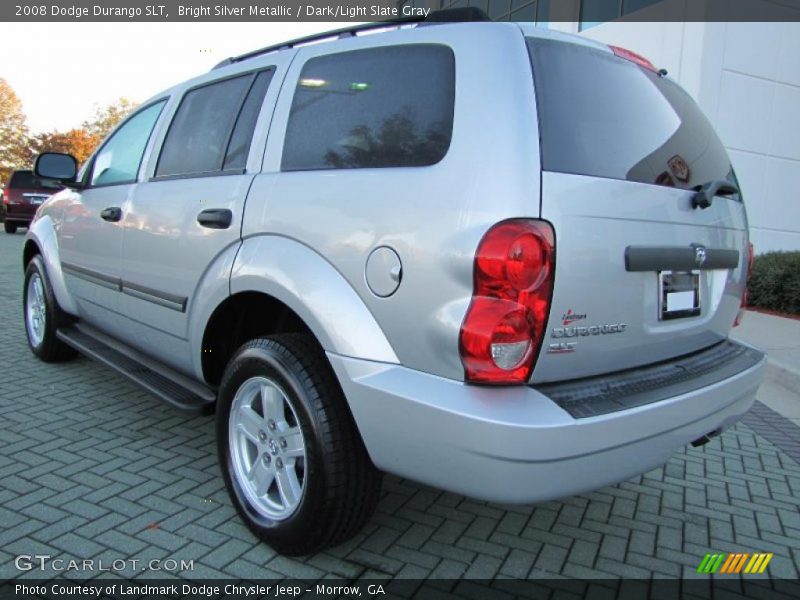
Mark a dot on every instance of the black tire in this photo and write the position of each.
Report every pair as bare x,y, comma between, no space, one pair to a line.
341,485
10,227
49,348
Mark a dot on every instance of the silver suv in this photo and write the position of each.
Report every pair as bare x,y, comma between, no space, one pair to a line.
494,259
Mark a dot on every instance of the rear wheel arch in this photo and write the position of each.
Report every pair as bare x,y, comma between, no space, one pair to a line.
248,316
238,319
311,285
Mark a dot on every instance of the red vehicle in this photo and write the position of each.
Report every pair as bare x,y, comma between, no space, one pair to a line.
23,194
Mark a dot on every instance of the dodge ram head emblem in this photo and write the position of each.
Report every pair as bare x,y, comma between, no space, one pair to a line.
700,255
679,167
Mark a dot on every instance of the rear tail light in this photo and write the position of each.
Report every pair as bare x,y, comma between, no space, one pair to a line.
750,261
633,57
5,197
504,326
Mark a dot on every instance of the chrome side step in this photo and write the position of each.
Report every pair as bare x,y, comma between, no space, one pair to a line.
165,383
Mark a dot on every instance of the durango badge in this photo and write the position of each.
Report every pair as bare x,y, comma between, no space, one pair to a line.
562,332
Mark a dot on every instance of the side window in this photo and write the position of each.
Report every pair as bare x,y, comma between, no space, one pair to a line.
119,159
211,122
379,107
239,145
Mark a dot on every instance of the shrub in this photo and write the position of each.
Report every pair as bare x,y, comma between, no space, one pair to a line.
775,282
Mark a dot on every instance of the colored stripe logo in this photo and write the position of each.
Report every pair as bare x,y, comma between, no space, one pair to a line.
735,563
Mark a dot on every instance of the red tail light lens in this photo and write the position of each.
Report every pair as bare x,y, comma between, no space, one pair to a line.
750,261
503,330
5,197
633,57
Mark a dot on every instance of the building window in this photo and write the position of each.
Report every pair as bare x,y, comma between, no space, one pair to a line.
532,11
596,12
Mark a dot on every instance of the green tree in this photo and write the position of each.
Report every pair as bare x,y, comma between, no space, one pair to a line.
107,117
14,139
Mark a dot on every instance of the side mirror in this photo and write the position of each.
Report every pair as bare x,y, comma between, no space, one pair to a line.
54,165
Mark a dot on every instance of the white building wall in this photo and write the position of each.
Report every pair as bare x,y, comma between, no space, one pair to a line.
746,77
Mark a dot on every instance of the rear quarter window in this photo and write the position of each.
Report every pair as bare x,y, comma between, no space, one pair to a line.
604,116
378,107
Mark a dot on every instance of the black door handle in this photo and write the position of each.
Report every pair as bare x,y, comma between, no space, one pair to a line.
215,218
111,214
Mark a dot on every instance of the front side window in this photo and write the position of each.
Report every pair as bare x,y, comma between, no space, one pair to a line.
119,159
379,107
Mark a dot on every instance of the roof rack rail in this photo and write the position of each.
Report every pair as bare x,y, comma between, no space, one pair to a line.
439,17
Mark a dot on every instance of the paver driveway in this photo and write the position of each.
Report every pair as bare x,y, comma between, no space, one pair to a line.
92,467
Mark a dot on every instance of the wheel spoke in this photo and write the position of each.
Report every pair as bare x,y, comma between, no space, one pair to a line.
288,486
38,292
250,423
272,403
294,443
261,477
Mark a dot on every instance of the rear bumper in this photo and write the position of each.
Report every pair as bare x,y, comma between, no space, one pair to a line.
20,213
19,219
517,445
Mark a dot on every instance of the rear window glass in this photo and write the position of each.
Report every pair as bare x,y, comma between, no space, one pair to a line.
26,179
605,116
380,107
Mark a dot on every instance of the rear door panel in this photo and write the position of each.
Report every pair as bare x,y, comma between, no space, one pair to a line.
166,250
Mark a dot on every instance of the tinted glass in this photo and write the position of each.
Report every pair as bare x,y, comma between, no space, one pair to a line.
605,116
629,6
246,122
498,8
199,133
119,159
594,12
382,107
26,179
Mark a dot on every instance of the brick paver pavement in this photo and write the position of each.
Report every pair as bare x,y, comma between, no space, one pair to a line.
92,467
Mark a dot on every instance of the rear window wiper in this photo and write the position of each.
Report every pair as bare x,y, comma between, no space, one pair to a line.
704,194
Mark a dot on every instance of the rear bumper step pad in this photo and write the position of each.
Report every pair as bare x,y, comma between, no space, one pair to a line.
595,396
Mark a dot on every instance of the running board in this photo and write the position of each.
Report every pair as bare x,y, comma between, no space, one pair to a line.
169,385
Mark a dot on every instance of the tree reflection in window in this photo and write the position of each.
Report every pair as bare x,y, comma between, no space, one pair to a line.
397,141
389,106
